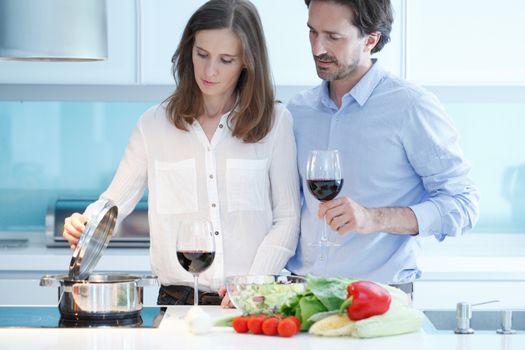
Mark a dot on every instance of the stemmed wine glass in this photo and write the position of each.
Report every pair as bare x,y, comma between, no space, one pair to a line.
195,249
323,176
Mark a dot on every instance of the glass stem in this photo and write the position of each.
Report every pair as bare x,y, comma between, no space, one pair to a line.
324,234
195,289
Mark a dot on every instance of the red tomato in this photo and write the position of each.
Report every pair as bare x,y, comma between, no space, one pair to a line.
240,324
255,324
296,320
269,326
287,328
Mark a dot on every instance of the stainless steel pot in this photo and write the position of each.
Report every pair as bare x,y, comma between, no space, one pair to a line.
101,296
83,295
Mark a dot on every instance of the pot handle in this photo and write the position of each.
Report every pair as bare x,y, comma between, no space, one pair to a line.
48,281
147,281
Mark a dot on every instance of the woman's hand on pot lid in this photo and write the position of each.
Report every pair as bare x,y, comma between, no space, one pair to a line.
73,227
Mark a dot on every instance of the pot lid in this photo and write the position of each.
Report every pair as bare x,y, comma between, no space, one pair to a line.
93,240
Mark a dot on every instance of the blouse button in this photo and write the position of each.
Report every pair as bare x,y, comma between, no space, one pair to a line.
216,233
220,126
213,205
211,176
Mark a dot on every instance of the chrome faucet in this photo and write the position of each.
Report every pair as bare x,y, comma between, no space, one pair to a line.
464,314
506,323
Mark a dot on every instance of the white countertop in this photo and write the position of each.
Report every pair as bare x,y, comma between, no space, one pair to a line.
173,334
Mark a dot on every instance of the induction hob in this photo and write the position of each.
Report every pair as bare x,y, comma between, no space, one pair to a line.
49,317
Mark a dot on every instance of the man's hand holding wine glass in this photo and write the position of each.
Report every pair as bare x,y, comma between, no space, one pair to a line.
345,215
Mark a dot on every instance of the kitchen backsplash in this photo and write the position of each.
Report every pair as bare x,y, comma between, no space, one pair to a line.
58,149
61,149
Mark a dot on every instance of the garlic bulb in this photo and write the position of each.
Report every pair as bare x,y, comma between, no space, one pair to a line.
198,320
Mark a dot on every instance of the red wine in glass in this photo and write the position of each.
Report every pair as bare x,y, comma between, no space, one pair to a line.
325,190
324,180
195,249
195,261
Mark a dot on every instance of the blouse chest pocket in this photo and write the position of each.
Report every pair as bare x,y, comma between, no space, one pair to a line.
176,187
246,184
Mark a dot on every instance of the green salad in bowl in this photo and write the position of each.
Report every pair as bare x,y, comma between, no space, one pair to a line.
263,294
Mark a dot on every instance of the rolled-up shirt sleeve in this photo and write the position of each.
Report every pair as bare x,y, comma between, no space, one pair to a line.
432,146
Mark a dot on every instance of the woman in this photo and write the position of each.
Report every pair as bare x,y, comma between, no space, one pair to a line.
220,148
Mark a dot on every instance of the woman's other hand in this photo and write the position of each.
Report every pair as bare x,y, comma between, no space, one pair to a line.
226,302
73,227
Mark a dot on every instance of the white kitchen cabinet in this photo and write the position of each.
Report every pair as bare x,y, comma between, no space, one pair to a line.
284,23
161,26
144,34
286,30
457,43
163,21
119,68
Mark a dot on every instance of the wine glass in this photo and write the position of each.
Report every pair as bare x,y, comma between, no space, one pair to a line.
324,180
195,249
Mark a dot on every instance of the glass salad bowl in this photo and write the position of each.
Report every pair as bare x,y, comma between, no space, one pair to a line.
263,294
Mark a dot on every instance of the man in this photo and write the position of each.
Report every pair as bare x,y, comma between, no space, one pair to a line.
403,170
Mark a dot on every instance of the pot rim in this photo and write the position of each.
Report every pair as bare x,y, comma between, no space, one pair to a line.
97,278
100,278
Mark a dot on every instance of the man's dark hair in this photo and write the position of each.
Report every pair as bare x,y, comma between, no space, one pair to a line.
369,16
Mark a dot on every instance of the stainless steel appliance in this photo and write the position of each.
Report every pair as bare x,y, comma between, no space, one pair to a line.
86,297
100,296
132,232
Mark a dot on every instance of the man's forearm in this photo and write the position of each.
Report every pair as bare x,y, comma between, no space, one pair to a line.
393,220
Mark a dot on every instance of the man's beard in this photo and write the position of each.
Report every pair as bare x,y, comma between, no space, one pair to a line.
340,71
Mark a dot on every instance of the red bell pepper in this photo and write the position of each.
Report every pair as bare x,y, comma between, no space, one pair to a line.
365,299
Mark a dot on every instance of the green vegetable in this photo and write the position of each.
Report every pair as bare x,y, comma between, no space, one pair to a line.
327,294
322,294
398,320
309,305
224,321
303,306
330,291
266,298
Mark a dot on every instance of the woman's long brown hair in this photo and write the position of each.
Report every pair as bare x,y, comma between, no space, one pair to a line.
253,115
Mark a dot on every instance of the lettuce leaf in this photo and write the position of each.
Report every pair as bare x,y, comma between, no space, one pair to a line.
322,294
309,305
331,291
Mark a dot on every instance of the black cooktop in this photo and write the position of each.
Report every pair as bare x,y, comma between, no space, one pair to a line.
49,317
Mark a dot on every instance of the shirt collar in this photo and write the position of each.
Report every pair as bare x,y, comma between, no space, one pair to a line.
360,92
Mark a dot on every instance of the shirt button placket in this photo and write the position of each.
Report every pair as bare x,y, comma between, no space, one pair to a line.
213,195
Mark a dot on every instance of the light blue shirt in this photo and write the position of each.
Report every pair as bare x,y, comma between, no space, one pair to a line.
398,148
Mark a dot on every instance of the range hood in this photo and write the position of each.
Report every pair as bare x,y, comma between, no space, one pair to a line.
53,30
